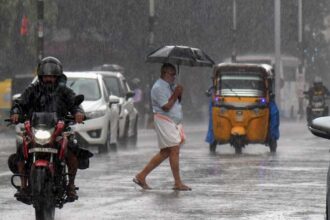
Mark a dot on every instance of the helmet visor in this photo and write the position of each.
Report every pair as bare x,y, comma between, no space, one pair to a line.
50,69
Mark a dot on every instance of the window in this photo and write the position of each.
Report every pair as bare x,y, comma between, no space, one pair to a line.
113,85
88,87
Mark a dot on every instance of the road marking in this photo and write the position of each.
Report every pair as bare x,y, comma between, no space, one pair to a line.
6,173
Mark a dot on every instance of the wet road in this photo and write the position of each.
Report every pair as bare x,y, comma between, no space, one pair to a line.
255,185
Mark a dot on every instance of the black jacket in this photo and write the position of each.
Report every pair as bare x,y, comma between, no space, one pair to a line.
39,98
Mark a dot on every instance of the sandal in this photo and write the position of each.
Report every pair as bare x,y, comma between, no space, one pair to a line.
71,193
140,183
182,188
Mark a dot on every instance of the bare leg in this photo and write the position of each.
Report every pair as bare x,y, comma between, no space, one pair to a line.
72,162
174,162
153,163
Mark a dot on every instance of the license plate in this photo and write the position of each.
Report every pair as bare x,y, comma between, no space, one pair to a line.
43,150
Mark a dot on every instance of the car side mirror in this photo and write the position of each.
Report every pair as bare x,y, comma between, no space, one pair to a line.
130,94
113,100
321,127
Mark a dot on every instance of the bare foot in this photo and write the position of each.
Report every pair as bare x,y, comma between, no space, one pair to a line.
181,187
141,183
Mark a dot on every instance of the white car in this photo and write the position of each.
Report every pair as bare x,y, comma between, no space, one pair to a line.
100,128
102,113
117,85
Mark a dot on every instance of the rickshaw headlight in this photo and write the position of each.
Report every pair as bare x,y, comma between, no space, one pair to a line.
239,116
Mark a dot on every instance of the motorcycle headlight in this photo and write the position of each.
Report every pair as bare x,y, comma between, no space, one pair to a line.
95,114
42,137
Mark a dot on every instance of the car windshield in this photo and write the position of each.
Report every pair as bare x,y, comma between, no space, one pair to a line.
88,87
241,84
113,86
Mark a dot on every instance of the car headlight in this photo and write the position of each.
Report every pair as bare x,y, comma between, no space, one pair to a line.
42,137
95,114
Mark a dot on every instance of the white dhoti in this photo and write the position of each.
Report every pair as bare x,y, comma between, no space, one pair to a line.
169,134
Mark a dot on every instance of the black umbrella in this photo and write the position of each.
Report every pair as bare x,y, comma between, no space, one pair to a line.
180,55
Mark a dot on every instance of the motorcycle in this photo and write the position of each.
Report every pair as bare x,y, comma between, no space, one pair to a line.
316,107
45,142
321,127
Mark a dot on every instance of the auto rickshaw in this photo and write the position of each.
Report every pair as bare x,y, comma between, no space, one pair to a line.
241,106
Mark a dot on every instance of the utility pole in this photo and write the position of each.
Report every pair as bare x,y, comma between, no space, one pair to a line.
151,22
301,77
40,29
234,31
148,112
300,33
277,37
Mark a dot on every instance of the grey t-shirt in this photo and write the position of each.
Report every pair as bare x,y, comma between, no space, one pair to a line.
160,93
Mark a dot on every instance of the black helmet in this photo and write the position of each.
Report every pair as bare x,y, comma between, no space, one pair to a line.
49,66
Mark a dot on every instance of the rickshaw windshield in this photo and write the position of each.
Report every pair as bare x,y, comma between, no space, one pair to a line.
247,84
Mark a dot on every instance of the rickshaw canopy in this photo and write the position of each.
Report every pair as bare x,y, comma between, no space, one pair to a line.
265,69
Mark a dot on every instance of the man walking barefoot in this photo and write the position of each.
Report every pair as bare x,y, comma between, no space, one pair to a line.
167,109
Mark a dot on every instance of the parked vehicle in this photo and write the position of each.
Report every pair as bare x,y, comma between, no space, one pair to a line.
101,127
117,86
45,141
5,100
321,128
242,94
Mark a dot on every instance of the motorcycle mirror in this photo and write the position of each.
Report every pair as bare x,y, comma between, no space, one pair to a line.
321,127
79,99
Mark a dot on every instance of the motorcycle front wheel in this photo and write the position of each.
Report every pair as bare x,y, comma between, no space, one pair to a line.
41,188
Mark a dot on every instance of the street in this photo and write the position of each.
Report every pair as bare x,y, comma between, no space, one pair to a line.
290,184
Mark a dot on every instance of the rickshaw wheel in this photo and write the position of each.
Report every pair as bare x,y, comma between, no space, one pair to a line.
213,146
272,145
238,149
238,144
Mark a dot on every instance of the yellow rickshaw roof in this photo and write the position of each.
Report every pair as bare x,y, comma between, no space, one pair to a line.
267,69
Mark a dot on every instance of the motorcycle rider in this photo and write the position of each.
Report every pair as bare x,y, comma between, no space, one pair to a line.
48,94
318,89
